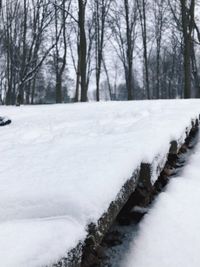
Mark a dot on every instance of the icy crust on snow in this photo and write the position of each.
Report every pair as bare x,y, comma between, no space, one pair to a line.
169,234
62,165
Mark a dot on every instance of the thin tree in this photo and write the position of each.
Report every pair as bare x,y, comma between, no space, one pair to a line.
60,60
141,5
187,16
101,9
123,23
159,12
82,48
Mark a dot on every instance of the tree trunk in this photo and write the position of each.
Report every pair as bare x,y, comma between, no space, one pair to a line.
129,78
186,49
142,16
82,50
33,91
195,71
58,88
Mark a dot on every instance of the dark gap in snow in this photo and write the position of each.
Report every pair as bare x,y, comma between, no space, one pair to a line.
126,226
4,121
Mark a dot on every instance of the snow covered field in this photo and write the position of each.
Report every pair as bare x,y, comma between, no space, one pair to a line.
62,165
169,235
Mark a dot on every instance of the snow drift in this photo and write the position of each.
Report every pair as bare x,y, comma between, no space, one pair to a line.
62,165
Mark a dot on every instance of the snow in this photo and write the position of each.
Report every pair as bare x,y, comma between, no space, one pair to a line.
33,242
62,165
169,234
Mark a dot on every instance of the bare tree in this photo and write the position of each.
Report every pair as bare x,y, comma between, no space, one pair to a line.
187,15
23,60
61,14
82,48
141,5
125,13
101,9
186,24
159,13
11,28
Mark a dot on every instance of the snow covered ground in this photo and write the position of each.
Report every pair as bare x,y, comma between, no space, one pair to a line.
169,235
62,165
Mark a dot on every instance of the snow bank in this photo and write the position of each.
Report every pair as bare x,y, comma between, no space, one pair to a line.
169,234
62,165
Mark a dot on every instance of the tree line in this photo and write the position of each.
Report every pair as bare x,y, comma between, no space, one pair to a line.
54,51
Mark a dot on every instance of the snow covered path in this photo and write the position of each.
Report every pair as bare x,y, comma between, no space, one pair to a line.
62,165
169,235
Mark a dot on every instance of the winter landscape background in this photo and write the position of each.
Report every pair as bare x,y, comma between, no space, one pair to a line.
54,51
111,182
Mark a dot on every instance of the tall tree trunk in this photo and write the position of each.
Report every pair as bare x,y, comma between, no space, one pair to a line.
187,31
195,71
76,99
146,52
101,10
33,90
129,78
158,71
82,49
187,68
142,16
60,67
24,54
58,88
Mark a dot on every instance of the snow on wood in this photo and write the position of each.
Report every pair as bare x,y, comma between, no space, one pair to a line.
169,233
63,166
